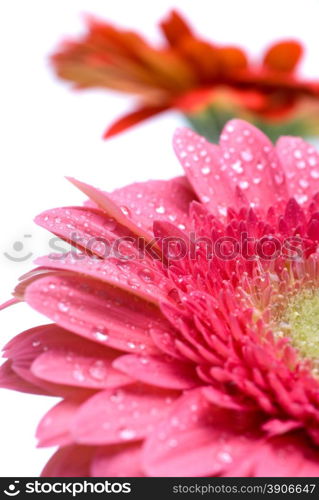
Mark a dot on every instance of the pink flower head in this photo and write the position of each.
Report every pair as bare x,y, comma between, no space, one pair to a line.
185,334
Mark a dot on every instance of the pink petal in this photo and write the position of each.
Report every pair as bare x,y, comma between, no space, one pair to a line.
70,461
105,202
252,163
53,429
9,303
136,277
201,162
145,202
301,163
123,415
160,371
89,229
288,456
83,369
137,205
98,312
197,439
220,398
118,461
9,379
60,357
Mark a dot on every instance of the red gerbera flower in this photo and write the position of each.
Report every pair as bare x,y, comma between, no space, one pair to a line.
194,353
207,82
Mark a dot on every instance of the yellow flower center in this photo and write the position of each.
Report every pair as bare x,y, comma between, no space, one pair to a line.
300,322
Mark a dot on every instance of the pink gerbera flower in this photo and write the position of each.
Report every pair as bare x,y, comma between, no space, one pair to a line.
185,334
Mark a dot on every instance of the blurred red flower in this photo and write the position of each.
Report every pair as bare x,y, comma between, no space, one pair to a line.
207,82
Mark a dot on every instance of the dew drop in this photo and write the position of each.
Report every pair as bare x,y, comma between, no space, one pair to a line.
304,183
100,335
125,210
301,164
206,170
98,370
78,375
237,167
127,434
146,275
246,155
160,210
312,161
205,199
244,185
225,457
63,307
301,198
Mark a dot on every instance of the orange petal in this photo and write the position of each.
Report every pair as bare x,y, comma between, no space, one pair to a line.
283,56
174,28
232,58
133,118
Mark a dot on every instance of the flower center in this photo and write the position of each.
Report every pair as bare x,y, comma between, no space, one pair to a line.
300,321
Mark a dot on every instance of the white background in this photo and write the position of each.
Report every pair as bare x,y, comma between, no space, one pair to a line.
48,132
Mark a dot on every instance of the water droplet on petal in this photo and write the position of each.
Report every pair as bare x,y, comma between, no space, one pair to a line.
205,199
160,210
63,307
100,335
244,185
246,155
127,434
146,275
98,370
206,170
125,211
225,457
303,183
